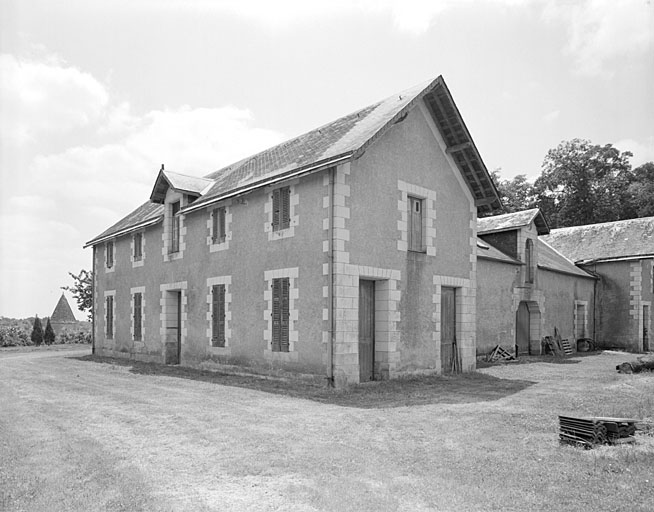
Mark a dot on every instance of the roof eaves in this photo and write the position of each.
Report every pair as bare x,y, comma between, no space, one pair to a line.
617,258
124,231
509,260
582,272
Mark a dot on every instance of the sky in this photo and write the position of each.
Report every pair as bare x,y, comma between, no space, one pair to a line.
96,95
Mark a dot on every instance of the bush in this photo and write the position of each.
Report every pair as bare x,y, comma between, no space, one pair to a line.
78,337
13,337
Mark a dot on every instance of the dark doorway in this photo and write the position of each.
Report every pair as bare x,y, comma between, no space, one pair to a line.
366,330
522,328
448,328
173,322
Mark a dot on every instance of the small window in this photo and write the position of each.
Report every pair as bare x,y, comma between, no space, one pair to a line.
109,249
416,240
218,229
174,227
110,317
218,315
138,316
280,314
138,246
281,199
529,260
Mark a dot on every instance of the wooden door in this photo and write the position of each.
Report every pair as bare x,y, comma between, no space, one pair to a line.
522,329
646,329
179,327
448,328
580,328
366,330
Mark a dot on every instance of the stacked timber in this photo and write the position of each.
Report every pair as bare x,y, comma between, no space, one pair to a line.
596,430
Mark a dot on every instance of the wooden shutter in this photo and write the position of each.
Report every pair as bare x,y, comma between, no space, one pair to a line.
276,315
218,315
415,224
110,316
285,214
221,224
138,246
275,209
284,315
214,225
174,246
137,315
110,254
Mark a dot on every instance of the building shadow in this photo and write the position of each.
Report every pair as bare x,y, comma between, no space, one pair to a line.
402,392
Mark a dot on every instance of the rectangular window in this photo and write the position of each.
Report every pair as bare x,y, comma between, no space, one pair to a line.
218,231
109,248
280,314
174,227
281,208
416,242
138,246
138,315
110,316
218,315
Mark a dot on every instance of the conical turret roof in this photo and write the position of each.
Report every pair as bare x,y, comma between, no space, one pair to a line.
62,312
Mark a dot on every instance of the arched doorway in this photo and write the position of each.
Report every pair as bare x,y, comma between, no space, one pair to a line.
527,327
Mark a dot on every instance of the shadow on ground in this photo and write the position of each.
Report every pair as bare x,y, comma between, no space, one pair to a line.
423,390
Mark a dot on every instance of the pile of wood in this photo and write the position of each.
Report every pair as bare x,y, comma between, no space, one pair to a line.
556,345
643,363
590,432
498,353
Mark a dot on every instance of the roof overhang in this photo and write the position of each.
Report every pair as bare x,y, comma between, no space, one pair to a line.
124,231
560,271
617,258
182,183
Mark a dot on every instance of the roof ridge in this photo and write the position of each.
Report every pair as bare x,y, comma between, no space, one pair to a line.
622,221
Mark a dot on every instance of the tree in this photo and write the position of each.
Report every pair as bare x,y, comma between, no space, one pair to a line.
82,290
582,183
49,335
641,190
37,332
516,194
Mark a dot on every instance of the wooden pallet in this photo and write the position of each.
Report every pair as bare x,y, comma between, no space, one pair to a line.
567,348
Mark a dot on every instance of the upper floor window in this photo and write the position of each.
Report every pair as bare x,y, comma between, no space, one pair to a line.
174,226
138,246
281,208
529,260
109,254
415,224
218,229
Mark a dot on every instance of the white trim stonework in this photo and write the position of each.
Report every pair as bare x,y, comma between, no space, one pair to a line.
428,219
220,246
294,294
138,344
578,335
168,310
166,235
268,210
227,281
635,288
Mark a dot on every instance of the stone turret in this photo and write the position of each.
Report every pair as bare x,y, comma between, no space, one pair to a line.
62,318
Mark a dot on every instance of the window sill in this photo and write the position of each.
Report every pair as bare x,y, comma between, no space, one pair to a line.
282,357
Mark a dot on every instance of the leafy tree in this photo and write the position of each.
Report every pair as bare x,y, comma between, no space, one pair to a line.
82,290
582,183
49,335
641,190
37,332
516,194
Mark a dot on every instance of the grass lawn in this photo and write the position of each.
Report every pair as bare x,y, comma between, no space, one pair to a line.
85,433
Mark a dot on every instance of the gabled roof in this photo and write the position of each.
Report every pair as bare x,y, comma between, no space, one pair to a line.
490,252
182,182
510,221
337,142
606,241
62,312
145,215
550,259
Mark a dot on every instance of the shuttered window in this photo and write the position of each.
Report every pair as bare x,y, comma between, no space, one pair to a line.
280,314
281,218
218,228
110,316
138,246
174,227
109,248
138,315
529,260
218,315
415,225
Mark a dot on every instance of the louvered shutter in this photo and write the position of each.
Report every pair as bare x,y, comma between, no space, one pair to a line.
110,316
137,316
218,315
221,225
214,226
284,315
285,213
275,209
276,315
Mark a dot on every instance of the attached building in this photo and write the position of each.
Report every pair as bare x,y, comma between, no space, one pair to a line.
349,252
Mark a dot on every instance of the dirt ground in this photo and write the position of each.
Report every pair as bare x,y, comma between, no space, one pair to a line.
78,434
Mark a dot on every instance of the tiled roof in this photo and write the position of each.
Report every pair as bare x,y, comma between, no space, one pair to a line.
341,140
513,221
181,182
490,252
62,312
550,259
147,212
605,241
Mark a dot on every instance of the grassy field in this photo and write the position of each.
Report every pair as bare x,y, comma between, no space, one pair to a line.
83,433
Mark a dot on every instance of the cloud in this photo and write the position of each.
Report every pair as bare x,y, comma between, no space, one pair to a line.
602,31
552,116
45,97
642,151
